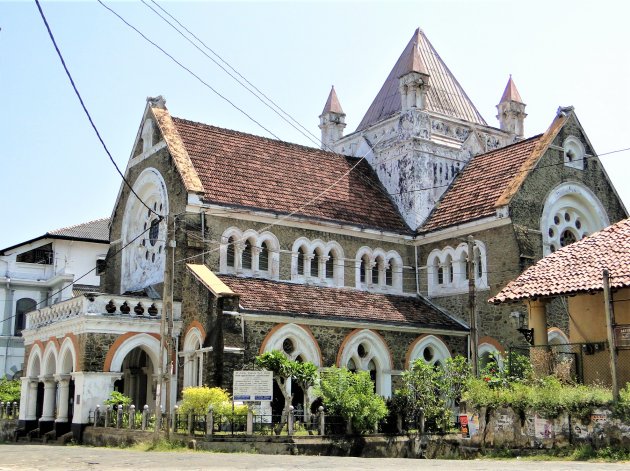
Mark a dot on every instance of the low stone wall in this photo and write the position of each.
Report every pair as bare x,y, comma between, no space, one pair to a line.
503,428
7,429
376,446
506,428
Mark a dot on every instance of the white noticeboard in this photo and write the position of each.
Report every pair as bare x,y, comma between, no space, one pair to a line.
252,386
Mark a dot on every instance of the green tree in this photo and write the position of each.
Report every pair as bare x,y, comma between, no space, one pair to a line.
284,370
423,392
352,396
9,390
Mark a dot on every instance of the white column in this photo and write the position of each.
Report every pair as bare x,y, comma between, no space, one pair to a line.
29,385
64,392
50,388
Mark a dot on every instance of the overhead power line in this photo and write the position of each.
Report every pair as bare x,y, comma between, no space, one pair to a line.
87,113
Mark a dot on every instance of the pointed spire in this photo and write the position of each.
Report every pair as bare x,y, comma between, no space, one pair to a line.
413,62
511,93
332,104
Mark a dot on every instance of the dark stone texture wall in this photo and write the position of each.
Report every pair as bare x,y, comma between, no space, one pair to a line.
93,349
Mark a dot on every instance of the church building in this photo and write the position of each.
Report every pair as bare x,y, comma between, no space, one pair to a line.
352,255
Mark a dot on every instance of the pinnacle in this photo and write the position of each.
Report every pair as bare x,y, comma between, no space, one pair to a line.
511,93
332,104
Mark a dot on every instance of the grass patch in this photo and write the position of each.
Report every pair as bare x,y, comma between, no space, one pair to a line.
160,445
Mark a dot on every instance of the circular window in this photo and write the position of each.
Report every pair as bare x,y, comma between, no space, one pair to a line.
154,231
567,217
551,232
556,219
288,346
351,366
578,224
567,238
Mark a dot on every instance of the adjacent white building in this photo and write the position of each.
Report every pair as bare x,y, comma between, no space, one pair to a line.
40,272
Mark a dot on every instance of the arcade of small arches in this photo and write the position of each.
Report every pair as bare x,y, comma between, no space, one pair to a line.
315,261
448,269
49,384
377,270
250,253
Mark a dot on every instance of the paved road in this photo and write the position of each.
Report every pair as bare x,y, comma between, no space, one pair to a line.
47,458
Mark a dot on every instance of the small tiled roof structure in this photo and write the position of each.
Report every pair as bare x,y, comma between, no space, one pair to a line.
315,302
245,171
576,268
476,190
445,96
92,231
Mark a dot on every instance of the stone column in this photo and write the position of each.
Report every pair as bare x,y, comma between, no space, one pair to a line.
31,400
538,321
48,411
256,258
64,391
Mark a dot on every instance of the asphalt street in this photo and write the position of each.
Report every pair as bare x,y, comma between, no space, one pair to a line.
43,457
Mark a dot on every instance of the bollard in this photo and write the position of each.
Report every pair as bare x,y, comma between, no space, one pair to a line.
145,416
119,416
132,417
250,422
108,412
399,423
97,414
2,410
290,421
210,422
190,423
174,419
322,421
16,410
8,409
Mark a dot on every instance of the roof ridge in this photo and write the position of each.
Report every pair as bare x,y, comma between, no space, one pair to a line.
263,138
74,226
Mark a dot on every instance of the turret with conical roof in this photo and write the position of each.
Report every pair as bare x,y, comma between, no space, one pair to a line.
512,110
331,121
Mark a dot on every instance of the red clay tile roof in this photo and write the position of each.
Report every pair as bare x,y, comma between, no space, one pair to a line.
445,95
475,192
292,299
244,170
576,268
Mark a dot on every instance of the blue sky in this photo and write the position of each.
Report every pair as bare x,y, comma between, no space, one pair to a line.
55,173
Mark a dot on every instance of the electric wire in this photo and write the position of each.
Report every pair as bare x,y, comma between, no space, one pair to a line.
202,81
87,113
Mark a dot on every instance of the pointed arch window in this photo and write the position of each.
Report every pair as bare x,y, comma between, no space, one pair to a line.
389,277
230,252
315,263
301,261
365,263
330,265
263,258
247,255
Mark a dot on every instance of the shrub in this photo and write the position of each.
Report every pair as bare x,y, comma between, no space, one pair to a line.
351,396
118,399
9,390
198,399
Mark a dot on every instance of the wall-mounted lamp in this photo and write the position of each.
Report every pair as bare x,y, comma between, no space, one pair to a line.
518,320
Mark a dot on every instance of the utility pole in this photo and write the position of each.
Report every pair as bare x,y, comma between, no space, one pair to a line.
166,334
471,307
610,328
